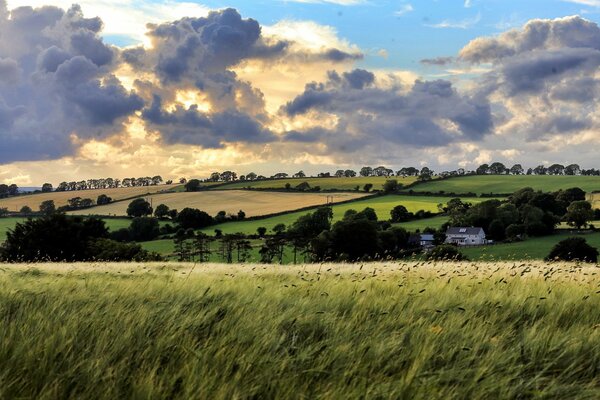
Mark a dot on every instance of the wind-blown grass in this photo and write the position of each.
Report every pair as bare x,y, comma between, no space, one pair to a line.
407,331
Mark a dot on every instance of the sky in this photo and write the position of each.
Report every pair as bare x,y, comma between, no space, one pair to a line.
184,88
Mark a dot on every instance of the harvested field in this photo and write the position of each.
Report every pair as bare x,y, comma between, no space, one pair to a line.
61,198
230,201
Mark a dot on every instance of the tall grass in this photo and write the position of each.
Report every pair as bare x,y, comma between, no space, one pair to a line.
402,331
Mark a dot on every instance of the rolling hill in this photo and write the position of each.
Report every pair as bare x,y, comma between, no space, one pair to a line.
252,203
348,184
505,184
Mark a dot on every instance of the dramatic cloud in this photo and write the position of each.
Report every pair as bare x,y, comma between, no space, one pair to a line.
542,74
429,114
56,81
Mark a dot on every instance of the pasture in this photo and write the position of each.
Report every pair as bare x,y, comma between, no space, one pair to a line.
530,249
347,184
382,206
505,184
396,330
62,198
252,203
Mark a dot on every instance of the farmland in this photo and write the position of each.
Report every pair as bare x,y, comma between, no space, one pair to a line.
505,184
397,330
533,248
347,184
61,198
252,203
382,206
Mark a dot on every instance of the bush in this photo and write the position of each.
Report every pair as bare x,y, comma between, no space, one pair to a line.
26,210
109,250
144,229
573,249
194,219
446,252
193,185
139,208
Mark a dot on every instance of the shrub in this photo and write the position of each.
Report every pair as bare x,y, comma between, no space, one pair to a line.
109,250
573,249
446,252
143,229
139,208
194,219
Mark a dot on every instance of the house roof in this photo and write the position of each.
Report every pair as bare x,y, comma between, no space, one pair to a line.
464,231
427,238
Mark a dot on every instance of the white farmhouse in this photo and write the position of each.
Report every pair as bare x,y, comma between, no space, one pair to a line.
466,236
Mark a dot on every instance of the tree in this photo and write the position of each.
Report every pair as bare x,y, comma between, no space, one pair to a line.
47,207
251,176
303,187
13,190
109,250
3,212
139,208
573,249
445,252
261,231
241,215
193,185
349,173
556,169
400,214
191,218
47,187
339,173
497,168
425,174
26,210
367,188
391,186
221,217
483,169
279,229
300,174
579,213
517,169
144,229
366,171
162,211
55,237
572,169
103,200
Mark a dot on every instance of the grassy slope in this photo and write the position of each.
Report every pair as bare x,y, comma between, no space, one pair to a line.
382,205
509,184
324,183
61,198
534,248
365,331
6,224
230,201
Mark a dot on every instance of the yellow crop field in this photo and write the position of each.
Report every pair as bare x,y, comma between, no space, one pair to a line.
253,203
61,198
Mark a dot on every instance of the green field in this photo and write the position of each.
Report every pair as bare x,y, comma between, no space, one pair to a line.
6,224
324,183
372,331
534,248
382,206
505,184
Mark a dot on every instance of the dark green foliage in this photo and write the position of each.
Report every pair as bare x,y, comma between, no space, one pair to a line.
579,213
194,218
303,187
143,229
400,214
367,188
193,185
47,207
26,210
161,211
103,200
391,186
571,249
110,250
445,252
56,237
139,208
261,231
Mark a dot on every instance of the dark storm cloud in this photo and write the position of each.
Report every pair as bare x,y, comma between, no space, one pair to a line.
55,80
430,114
191,126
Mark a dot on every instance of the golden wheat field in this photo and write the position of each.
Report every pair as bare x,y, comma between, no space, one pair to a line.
61,198
397,330
253,203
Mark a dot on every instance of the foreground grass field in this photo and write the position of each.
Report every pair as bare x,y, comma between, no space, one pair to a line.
324,183
505,184
252,203
403,331
61,198
382,206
